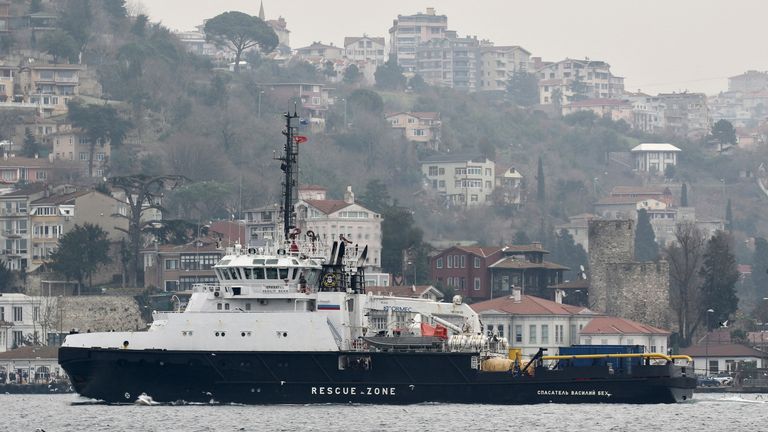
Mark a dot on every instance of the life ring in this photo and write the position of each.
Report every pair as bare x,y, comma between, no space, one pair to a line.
294,232
281,251
252,251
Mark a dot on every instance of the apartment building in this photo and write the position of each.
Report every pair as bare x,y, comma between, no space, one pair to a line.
14,223
17,170
686,114
409,31
460,180
73,145
449,62
497,64
332,220
21,319
314,99
178,267
365,49
578,79
319,50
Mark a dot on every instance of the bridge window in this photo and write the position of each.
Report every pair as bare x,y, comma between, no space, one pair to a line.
225,274
258,273
248,273
283,273
271,273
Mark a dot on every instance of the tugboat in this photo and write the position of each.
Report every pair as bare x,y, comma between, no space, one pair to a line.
292,323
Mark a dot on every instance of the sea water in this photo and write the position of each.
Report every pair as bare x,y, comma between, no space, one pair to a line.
68,412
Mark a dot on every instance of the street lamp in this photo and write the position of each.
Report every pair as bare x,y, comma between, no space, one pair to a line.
706,344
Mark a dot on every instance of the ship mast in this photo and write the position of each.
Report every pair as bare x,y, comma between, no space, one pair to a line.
289,165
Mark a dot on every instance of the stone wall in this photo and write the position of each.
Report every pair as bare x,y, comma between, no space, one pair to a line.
610,241
639,292
620,286
100,313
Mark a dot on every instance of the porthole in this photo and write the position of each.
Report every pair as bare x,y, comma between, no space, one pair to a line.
217,334
223,334
242,334
285,334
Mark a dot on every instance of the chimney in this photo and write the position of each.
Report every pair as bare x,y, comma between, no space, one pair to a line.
430,11
349,196
559,294
517,294
536,245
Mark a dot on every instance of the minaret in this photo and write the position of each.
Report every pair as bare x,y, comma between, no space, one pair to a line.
261,12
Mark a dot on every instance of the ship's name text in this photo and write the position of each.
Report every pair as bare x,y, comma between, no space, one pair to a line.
603,393
366,391
397,308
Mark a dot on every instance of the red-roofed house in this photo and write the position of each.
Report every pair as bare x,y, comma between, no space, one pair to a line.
421,127
530,323
615,109
178,267
606,330
473,271
330,219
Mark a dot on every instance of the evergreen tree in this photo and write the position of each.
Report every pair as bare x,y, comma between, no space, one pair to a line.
566,252
523,89
521,238
684,196
417,83
102,124
376,196
719,275
540,193
728,216
239,32
352,74
646,248
7,279
31,146
760,268
390,75
723,133
80,253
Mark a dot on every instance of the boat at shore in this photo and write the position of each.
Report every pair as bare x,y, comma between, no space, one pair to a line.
292,322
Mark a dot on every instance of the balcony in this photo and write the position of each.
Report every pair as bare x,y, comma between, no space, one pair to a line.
11,234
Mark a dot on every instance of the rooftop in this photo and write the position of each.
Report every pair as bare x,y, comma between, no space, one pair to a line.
722,350
615,325
656,147
328,206
528,305
31,353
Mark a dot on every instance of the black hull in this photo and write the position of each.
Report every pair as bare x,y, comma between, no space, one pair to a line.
120,376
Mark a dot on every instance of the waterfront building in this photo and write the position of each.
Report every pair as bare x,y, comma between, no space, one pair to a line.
409,31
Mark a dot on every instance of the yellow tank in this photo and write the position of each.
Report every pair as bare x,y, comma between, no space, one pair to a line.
497,364
516,354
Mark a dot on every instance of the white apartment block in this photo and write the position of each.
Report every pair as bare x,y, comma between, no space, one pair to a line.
408,31
461,180
25,319
499,63
449,62
365,49
597,81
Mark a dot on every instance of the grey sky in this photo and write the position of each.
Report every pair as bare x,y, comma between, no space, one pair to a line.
658,45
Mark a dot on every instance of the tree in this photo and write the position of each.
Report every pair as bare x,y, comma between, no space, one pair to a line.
80,253
646,248
568,253
417,83
139,27
521,238
7,278
376,196
540,184
399,233
523,89
35,6
760,268
60,45
557,100
240,31
684,196
352,74
723,133
390,76
115,8
141,193
77,20
101,123
719,273
366,100
31,147
685,256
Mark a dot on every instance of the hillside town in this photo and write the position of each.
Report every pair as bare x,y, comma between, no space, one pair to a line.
113,205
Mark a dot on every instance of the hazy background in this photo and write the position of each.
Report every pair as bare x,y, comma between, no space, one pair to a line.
658,45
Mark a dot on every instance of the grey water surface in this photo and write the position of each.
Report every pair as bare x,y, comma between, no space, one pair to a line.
68,412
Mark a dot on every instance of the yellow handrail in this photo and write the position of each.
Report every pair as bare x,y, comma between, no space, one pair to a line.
596,356
682,357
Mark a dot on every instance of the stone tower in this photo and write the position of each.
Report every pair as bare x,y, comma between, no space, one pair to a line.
621,286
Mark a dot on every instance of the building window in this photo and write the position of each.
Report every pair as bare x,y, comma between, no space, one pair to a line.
433,171
463,261
532,334
171,285
439,263
477,262
2,313
100,156
462,282
518,333
477,284
18,339
18,314
544,334
449,263
500,330
171,264
83,156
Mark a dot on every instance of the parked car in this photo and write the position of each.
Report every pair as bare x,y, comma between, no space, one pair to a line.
723,379
704,381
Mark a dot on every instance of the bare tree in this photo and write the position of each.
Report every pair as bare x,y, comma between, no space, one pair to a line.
685,257
142,193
